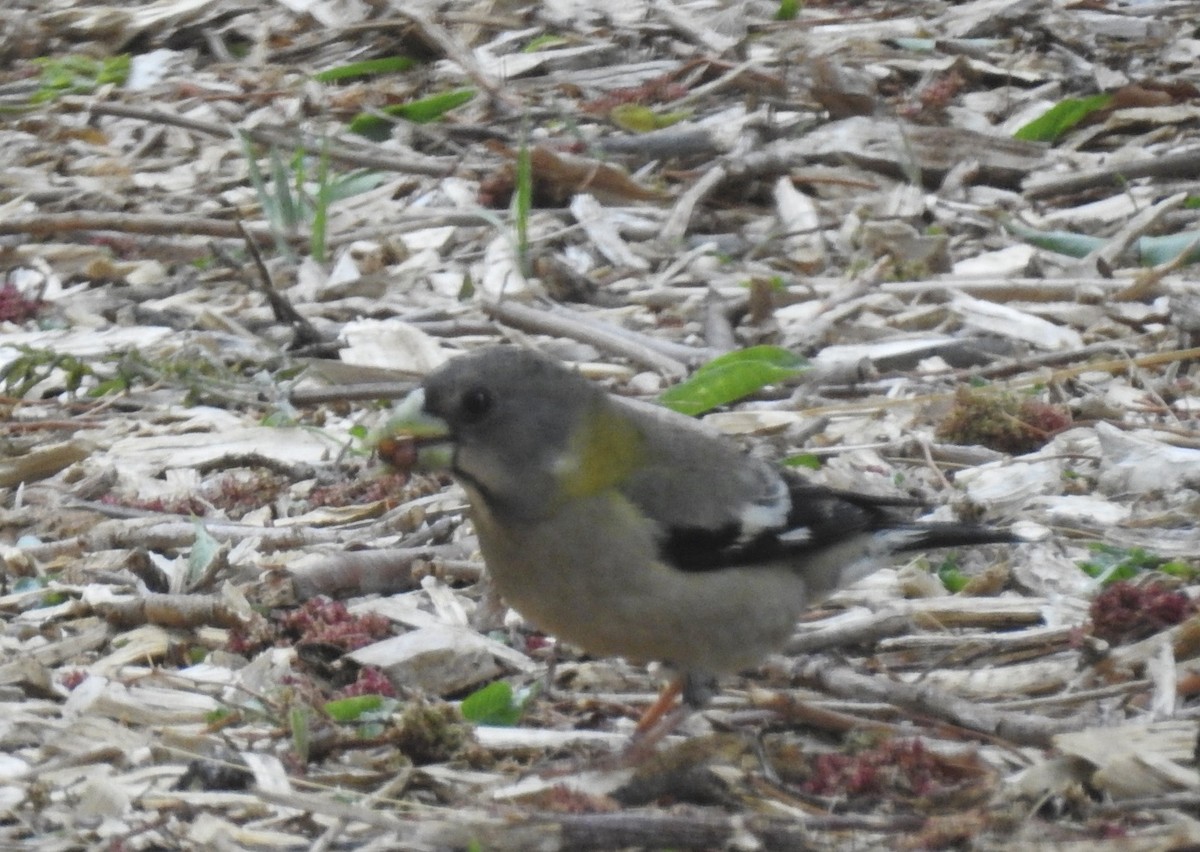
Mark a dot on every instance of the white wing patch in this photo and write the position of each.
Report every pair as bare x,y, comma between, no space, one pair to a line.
769,512
796,535
886,542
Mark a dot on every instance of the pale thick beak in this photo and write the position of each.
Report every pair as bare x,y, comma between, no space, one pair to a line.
412,438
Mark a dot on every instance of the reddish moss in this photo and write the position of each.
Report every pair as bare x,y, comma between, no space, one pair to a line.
1125,612
371,681
72,678
327,621
1001,421
14,307
238,492
235,492
363,489
896,767
320,621
187,505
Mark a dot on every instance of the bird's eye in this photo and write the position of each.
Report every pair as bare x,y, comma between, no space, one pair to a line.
476,403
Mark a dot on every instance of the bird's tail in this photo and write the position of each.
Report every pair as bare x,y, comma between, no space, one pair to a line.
849,561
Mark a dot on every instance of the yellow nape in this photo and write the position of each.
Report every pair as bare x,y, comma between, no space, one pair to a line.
603,453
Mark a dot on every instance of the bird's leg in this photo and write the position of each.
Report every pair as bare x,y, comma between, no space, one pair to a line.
661,707
664,715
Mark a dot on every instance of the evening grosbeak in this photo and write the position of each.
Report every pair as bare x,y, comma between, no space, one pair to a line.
631,530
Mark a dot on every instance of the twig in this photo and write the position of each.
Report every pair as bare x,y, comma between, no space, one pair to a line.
1147,281
847,632
637,348
1106,256
363,572
306,335
157,224
351,393
1178,164
1019,728
339,151
681,214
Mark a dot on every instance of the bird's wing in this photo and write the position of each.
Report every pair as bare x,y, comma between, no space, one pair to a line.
757,514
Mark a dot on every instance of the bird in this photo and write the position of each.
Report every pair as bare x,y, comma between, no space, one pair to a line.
629,530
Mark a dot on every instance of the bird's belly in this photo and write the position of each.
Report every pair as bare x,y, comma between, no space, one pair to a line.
627,605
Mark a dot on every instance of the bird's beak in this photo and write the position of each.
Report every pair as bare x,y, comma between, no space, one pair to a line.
414,439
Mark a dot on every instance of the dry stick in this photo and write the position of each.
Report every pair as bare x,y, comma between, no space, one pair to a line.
1089,696
1058,375
690,26
1048,359
306,335
352,393
637,348
364,572
1008,289
869,627
1146,284
585,831
1019,728
177,611
704,831
1179,164
1105,257
156,534
339,151
130,223
681,214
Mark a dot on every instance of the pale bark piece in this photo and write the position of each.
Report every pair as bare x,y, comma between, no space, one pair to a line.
901,149
1132,761
1012,323
392,344
602,231
440,660
286,445
1140,462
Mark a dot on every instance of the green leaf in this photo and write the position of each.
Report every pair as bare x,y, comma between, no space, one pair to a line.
495,704
1179,568
467,289
298,721
731,377
1110,564
1155,250
352,709
1060,118
320,218
542,41
204,550
421,111
788,10
1063,242
1151,251
62,75
28,584
366,68
284,207
355,183
641,119
522,204
917,45
952,578
216,717
807,460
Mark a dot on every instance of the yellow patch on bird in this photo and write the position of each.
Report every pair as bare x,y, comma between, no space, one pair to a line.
603,453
